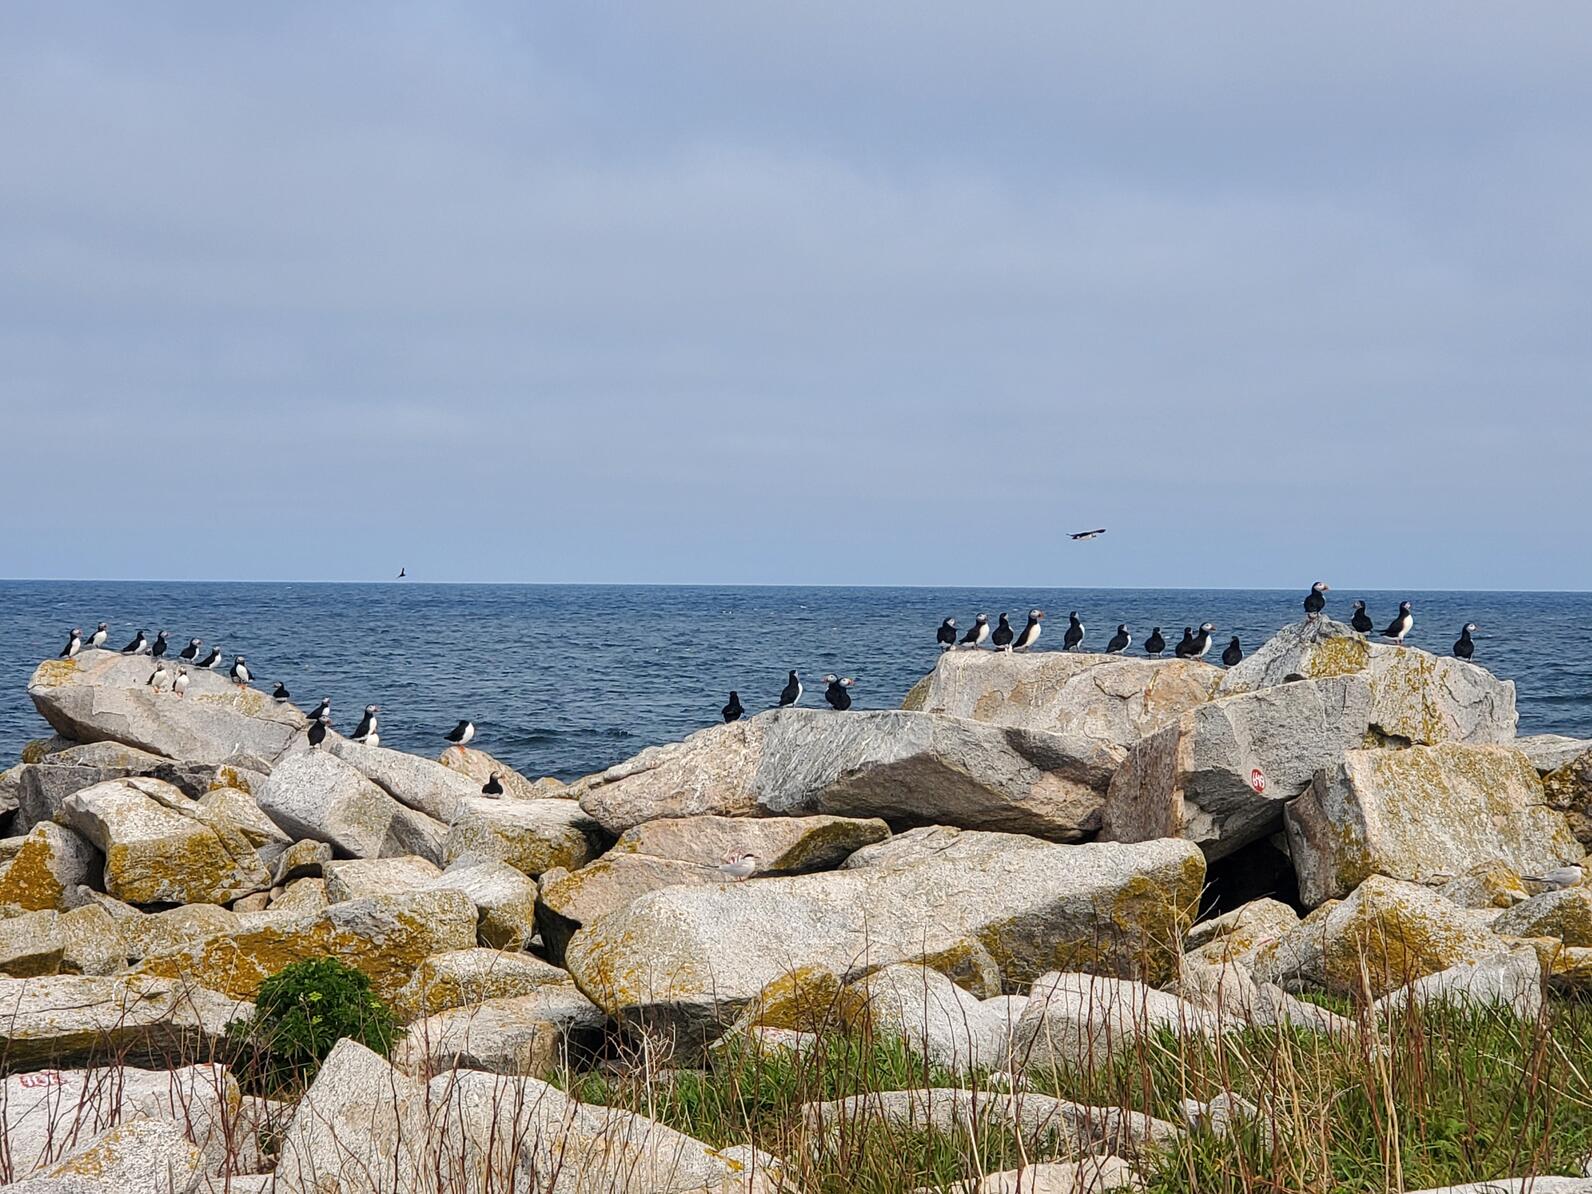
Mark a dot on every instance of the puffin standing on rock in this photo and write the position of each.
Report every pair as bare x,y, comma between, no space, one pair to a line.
239,671
1073,639
180,684
1155,644
139,643
322,712
191,651
74,644
1121,641
158,679
1464,648
366,730
977,633
946,635
317,731
792,692
1400,626
1316,600
1361,620
461,734
1202,641
1186,646
836,693
281,693
1234,655
493,785
733,710
1001,640
1030,634
159,649
212,660
101,633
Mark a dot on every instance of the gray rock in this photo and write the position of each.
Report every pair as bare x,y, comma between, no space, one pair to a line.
477,766
91,941
313,794
1420,813
1564,914
31,944
908,768
137,1154
568,900
1568,788
1078,1021
530,835
45,785
468,977
62,1018
1086,1175
1549,752
47,871
357,878
104,696
1511,981
1220,775
420,784
240,810
998,909
788,844
302,860
937,1019
504,899
1244,926
531,1035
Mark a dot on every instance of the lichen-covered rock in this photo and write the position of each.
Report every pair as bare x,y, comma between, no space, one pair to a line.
421,784
567,900
31,944
1220,774
465,977
1112,699
1416,697
1078,1021
301,895
1245,927
530,835
1389,931
357,878
58,1019
162,847
136,1154
1512,981
991,909
91,942
938,1020
1566,915
387,937
104,696
239,809
302,860
144,933
313,794
533,1034
785,844
46,872
477,766
1491,884
1568,788
1420,813
908,768
504,899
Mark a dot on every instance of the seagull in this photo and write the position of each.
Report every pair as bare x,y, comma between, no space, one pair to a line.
1155,644
240,671
1094,534
461,734
1559,878
1121,640
138,645
74,644
101,633
366,730
734,709
946,634
792,692
158,679
1400,626
737,868
180,684
1361,620
1316,600
836,693
977,633
1464,648
493,785
1234,654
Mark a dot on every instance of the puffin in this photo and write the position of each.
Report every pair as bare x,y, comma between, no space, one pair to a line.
946,634
239,671
158,679
836,693
74,643
1316,599
139,643
1400,626
180,684
977,633
1202,641
792,692
1155,644
461,734
1030,633
1234,654
159,648
366,730
1187,644
213,659
1001,640
317,732
493,785
1121,640
1073,639
1464,648
1361,620
733,710
101,633
191,651
280,693
322,712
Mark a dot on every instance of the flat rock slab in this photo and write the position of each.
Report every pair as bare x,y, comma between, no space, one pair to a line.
1109,699
1549,752
689,960
467,977
418,783
1420,813
105,696
907,768
569,900
780,843
314,794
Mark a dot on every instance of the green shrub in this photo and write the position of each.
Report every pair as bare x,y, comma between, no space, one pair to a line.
304,1009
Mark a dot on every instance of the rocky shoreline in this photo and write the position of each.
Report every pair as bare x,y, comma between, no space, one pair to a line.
1008,874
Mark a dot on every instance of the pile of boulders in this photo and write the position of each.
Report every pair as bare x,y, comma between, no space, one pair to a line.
1006,873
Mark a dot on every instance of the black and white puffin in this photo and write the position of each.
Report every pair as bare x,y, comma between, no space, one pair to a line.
1316,599
159,679
1120,641
1400,626
74,643
101,633
239,671
366,730
321,712
1186,645
836,693
280,693
493,785
180,684
1001,640
946,634
159,647
978,633
792,692
1234,654
1073,639
1155,644
733,710
317,732
1361,620
213,659
138,645
1202,641
1030,632
191,651
1464,648
461,734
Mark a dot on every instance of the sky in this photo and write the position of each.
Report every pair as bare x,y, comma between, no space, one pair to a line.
897,293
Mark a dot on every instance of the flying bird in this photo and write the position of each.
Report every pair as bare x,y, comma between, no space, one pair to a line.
1094,534
402,572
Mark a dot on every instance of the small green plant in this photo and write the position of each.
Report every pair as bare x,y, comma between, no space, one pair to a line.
304,1009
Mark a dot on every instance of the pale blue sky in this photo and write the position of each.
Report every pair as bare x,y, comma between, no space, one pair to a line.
741,292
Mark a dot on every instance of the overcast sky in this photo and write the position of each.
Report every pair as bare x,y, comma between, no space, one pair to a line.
729,292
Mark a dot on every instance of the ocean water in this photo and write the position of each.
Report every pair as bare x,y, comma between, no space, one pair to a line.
563,680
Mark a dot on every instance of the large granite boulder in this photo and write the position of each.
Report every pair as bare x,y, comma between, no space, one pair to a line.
504,899
360,878
908,768
532,1034
530,835
1549,752
1568,788
781,844
1421,813
997,910
478,767
1565,915
136,1154
49,867
31,944
162,847
420,784
939,1021
567,900
314,794
1080,1021
1110,699
387,937
1416,697
1220,774
470,977
105,696
64,1018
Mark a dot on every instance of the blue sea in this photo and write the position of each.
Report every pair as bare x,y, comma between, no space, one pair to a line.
563,680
